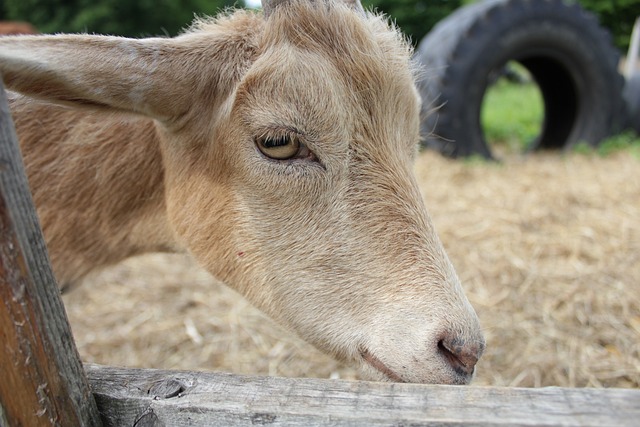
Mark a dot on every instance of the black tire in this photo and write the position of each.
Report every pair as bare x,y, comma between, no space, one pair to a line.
569,55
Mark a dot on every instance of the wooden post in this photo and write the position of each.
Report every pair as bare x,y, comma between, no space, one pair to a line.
42,381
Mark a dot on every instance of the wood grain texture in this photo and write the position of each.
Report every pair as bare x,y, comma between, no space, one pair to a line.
42,382
128,397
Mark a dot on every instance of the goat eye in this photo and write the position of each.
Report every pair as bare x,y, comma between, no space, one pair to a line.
279,148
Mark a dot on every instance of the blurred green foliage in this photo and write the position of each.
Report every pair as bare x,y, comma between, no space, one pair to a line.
133,18
417,17
137,18
616,15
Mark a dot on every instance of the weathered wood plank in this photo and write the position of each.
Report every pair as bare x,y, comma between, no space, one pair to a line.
128,397
42,382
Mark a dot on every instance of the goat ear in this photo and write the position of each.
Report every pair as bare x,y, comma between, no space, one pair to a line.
268,6
146,76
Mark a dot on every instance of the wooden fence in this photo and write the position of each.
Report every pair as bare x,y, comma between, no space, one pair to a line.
43,382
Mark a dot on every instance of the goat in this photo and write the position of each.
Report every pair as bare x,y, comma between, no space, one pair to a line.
276,149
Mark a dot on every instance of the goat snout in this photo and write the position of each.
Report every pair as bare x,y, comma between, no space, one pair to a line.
461,354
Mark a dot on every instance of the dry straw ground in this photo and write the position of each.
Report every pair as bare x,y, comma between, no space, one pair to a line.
548,250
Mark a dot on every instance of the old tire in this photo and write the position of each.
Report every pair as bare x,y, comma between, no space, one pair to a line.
569,55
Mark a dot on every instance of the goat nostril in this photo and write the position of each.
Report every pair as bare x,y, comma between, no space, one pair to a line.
461,357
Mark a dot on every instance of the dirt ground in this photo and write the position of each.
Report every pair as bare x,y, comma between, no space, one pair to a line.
547,249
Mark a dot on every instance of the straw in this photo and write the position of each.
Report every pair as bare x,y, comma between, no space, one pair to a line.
547,249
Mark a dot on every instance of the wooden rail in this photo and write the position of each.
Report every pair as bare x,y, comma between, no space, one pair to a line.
128,397
42,381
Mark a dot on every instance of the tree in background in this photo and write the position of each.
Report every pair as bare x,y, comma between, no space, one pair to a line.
132,18
616,15
417,17
136,18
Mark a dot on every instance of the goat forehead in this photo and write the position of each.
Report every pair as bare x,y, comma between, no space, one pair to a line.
369,56
289,88
293,88
352,40
355,96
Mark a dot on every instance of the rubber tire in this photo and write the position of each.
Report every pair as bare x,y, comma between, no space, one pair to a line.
570,56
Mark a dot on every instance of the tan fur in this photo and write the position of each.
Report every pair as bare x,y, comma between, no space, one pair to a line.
340,250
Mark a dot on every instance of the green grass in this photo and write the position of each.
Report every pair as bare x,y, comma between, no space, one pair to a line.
626,141
512,113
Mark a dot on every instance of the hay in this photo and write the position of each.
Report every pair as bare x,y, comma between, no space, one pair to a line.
548,250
